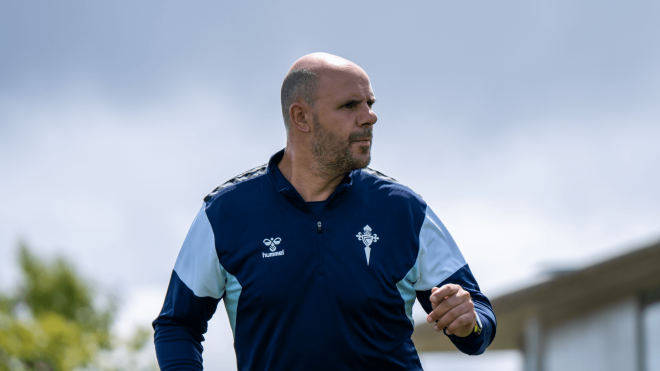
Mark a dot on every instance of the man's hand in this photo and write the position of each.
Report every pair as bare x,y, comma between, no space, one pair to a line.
452,309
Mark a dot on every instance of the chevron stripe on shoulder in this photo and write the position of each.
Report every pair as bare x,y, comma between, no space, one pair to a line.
250,174
380,175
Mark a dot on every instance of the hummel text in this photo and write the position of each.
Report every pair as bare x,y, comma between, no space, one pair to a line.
277,253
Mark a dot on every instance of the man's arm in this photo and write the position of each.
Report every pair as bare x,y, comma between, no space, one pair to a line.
458,312
196,286
180,327
444,275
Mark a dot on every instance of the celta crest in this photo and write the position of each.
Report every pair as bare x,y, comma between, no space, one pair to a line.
367,238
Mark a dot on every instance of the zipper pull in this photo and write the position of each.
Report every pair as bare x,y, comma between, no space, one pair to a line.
318,226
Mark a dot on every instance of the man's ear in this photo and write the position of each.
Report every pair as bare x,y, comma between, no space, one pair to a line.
299,116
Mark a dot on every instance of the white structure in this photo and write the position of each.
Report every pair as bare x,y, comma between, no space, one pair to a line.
604,317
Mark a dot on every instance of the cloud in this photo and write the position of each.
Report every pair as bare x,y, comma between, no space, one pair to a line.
117,184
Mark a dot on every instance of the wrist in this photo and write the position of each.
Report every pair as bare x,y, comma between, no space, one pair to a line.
471,330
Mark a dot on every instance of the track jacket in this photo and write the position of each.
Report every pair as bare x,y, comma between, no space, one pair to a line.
331,290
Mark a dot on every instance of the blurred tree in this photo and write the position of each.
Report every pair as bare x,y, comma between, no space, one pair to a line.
53,321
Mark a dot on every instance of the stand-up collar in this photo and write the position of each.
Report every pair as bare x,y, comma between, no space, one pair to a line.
283,185
275,174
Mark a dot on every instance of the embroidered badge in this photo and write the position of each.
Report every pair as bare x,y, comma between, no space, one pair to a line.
367,238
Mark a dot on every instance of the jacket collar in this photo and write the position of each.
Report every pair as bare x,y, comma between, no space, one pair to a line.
283,186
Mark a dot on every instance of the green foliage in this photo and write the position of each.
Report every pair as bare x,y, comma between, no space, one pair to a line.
52,322
140,337
57,288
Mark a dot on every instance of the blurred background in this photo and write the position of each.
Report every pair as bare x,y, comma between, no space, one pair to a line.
531,128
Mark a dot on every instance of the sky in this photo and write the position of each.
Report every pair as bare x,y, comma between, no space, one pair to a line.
530,127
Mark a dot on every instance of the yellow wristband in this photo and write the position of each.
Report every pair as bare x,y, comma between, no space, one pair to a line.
477,326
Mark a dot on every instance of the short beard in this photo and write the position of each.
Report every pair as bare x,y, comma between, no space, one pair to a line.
332,154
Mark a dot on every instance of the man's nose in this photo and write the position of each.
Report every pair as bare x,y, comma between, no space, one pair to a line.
367,117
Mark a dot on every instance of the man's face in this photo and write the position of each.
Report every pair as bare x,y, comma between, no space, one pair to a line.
343,121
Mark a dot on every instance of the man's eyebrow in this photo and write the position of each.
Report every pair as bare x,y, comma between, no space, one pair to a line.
354,100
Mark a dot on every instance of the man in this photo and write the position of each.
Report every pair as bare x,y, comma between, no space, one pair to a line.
319,259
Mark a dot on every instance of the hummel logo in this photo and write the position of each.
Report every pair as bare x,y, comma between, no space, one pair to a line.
272,246
272,243
368,239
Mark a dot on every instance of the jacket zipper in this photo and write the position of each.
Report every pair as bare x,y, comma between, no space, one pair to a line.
319,230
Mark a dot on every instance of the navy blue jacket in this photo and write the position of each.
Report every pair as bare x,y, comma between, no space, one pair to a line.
331,290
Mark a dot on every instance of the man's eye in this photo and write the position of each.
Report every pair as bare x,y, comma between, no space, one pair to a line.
349,105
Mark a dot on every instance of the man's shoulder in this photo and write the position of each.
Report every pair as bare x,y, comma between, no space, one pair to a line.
240,180
380,182
378,175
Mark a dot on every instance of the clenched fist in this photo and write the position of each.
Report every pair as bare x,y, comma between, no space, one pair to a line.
453,310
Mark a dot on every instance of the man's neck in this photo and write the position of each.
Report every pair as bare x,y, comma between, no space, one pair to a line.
309,184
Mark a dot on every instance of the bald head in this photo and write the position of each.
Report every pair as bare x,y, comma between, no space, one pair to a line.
321,61
305,77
